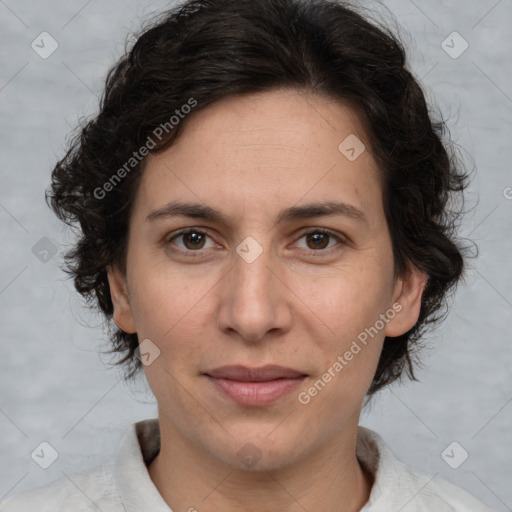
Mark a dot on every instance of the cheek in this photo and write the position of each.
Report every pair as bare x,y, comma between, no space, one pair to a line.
349,358
169,306
349,301
169,310
347,298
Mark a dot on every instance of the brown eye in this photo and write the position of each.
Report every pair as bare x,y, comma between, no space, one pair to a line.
192,240
321,241
318,240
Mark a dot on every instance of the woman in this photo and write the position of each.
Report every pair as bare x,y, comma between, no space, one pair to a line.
264,206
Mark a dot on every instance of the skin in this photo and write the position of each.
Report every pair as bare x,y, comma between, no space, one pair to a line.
299,304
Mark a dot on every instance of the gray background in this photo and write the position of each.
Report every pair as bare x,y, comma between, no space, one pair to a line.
53,381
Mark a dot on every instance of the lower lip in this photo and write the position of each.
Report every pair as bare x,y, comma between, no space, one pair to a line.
256,393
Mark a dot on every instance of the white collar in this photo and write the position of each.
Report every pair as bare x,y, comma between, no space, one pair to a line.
140,445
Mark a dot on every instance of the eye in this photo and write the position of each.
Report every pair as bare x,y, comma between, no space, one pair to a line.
193,240
318,239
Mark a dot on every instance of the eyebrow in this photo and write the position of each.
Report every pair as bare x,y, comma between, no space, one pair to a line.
204,212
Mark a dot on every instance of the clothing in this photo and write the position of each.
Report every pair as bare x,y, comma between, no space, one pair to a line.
125,485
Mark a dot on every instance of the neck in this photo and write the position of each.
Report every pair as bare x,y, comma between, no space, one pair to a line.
329,478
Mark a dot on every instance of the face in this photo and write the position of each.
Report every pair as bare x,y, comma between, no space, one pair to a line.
259,279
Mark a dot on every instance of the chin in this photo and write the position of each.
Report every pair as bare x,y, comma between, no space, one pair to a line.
254,448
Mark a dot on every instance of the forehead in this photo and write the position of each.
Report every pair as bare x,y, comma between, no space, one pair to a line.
267,150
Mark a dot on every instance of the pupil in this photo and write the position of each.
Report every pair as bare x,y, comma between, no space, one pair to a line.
195,238
318,238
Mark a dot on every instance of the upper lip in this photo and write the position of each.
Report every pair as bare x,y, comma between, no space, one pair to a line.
261,374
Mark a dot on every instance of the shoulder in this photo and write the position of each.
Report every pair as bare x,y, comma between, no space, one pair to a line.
455,498
85,491
123,478
431,492
398,486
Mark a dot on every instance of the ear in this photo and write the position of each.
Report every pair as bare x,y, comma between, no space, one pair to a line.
408,292
123,316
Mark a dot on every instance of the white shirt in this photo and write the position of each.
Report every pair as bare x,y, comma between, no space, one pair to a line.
124,485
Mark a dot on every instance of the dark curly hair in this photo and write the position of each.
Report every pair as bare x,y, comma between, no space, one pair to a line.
204,50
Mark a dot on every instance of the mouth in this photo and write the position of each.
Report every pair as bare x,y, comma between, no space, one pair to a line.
255,386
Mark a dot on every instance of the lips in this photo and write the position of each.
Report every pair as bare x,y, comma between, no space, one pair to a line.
262,374
255,386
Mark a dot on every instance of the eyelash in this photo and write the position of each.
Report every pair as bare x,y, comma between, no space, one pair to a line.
199,253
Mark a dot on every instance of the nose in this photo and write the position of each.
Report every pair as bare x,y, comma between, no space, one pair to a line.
255,302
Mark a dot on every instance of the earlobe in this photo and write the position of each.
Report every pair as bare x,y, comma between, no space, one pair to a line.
123,316
408,293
